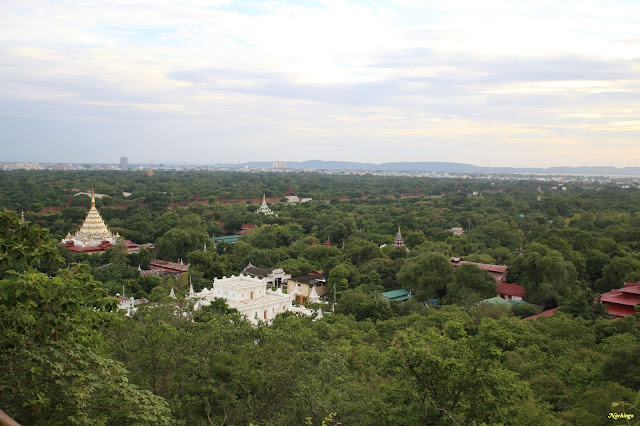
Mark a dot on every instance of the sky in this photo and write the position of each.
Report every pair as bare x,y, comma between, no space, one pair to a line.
491,83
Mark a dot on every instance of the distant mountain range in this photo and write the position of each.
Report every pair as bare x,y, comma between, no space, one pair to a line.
443,167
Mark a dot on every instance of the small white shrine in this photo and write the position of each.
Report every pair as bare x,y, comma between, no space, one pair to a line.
264,208
248,295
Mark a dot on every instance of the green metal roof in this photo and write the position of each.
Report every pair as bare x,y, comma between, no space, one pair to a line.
226,238
398,295
497,301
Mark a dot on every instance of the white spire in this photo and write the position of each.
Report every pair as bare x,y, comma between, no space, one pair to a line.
313,295
172,294
264,208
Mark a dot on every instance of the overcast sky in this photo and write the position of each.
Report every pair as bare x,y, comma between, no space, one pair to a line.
491,83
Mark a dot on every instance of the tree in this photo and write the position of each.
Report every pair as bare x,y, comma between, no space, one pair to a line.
23,246
457,380
52,367
470,284
297,267
546,275
212,264
619,271
584,304
178,242
363,306
428,273
360,251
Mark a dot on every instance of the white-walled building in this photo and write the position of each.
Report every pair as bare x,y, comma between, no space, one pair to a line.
271,277
248,295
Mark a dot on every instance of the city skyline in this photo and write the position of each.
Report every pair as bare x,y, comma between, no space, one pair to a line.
210,82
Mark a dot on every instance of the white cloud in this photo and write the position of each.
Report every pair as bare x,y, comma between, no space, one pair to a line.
400,76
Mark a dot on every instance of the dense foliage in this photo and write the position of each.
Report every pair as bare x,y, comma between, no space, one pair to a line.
68,358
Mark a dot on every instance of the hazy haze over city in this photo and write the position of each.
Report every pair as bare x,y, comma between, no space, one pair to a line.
490,83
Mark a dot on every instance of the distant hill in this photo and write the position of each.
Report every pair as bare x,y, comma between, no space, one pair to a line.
443,167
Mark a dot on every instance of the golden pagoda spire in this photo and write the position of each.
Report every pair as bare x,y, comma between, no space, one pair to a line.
93,194
264,199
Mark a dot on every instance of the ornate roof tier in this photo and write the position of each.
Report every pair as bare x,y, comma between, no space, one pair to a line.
93,230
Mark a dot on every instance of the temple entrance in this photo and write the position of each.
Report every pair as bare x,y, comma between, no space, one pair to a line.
251,296
265,314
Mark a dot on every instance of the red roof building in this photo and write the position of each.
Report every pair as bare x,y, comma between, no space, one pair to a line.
101,248
290,191
169,267
621,302
548,313
328,242
511,291
499,272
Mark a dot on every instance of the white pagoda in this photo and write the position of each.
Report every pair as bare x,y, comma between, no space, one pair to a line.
248,295
264,208
93,231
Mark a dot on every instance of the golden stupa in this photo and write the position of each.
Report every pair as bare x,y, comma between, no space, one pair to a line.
93,230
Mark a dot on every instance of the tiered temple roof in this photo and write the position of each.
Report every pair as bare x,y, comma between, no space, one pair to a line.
93,231
399,242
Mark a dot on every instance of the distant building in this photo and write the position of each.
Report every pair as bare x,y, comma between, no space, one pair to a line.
621,302
279,165
499,272
456,230
398,295
248,295
511,292
290,191
291,196
163,267
271,277
130,304
264,208
399,241
124,161
308,288
94,236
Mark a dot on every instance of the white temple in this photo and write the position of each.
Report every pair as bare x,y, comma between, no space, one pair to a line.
248,295
264,208
93,230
